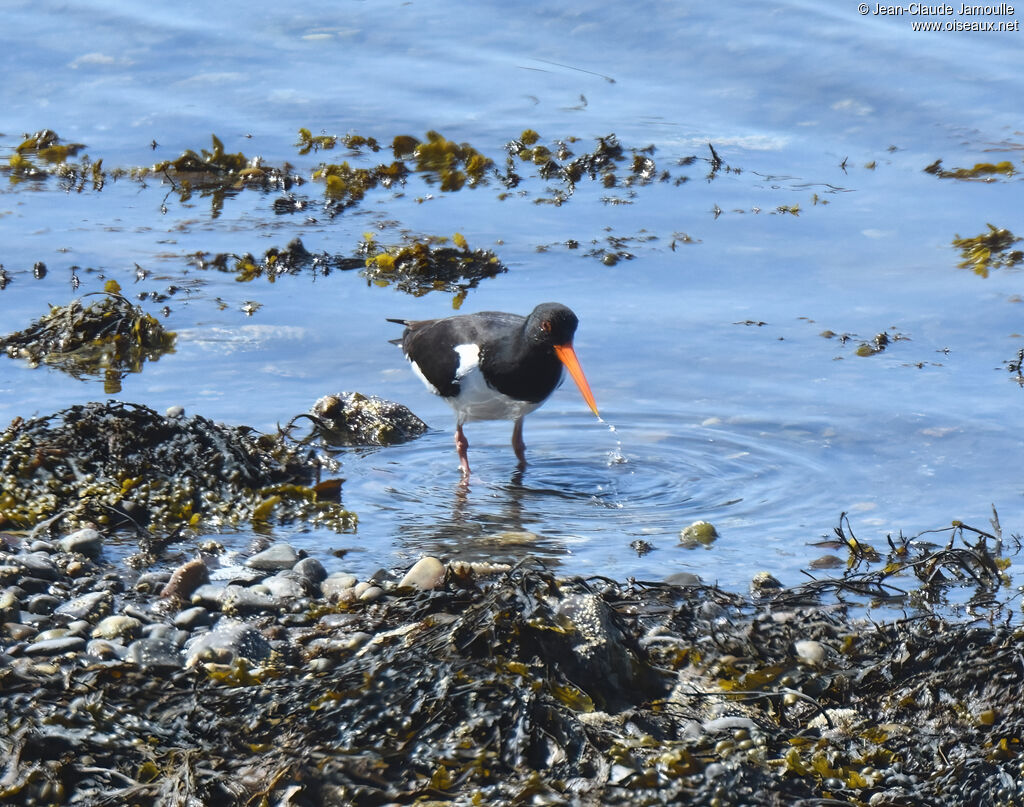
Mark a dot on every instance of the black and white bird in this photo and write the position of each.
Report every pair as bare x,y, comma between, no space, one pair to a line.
495,366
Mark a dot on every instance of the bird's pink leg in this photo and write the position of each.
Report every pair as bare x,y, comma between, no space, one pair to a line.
517,442
461,446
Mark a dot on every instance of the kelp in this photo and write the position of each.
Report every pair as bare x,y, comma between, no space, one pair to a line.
421,266
990,250
526,687
124,464
980,172
293,259
109,338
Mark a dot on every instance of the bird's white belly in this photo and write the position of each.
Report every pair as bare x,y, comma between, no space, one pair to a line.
476,400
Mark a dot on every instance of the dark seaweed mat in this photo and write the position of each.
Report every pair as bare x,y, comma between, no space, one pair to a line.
118,462
483,695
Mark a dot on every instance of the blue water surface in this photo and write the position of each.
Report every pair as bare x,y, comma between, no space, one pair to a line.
706,344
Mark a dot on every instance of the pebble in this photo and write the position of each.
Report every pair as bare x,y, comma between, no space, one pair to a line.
274,558
185,580
684,579
287,585
192,618
151,652
42,604
810,651
699,533
92,606
38,565
118,627
371,593
85,541
334,585
426,574
230,639
56,646
311,569
10,609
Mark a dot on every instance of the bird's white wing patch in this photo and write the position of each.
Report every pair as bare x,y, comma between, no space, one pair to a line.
469,359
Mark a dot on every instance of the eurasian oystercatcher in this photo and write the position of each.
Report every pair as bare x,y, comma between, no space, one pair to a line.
495,366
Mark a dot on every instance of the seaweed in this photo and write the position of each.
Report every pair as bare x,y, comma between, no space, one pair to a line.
124,464
293,259
989,250
532,688
420,266
981,172
353,419
111,338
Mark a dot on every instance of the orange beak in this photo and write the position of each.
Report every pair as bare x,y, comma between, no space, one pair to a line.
567,356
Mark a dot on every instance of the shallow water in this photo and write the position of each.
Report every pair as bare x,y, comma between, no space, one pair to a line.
708,357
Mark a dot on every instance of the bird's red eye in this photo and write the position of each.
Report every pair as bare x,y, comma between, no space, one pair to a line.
546,326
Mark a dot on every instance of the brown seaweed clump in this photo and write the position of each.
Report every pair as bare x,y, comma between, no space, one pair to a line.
293,259
354,419
111,337
422,266
123,463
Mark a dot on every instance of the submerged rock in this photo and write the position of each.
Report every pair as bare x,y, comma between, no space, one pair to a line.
354,419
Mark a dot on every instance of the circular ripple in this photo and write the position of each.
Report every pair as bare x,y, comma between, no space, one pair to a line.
590,490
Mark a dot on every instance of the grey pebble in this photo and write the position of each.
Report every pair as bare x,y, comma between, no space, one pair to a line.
274,558
41,604
153,652
287,585
192,618
229,639
92,606
311,569
55,647
86,541
335,584
38,565
106,651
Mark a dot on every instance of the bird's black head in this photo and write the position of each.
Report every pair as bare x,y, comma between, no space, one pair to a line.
551,323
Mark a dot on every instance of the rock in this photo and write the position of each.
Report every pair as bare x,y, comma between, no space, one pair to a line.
353,419
764,583
684,579
274,558
810,651
106,651
371,593
311,569
85,541
699,533
426,574
10,608
229,640
210,595
39,566
242,600
91,607
153,652
192,618
185,580
336,585
42,603
118,627
288,585
56,646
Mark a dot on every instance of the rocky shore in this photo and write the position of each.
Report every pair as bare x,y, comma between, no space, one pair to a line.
270,681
